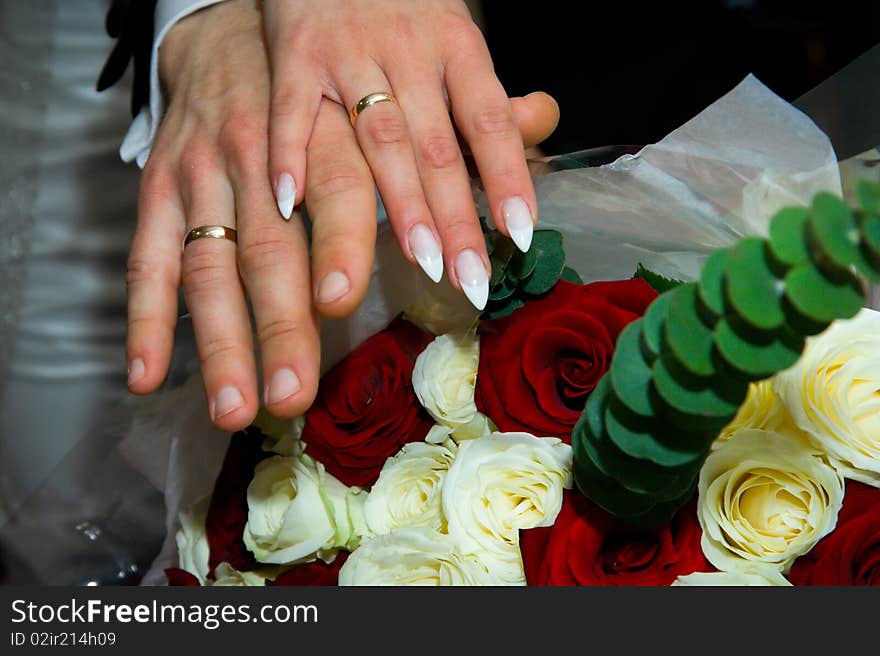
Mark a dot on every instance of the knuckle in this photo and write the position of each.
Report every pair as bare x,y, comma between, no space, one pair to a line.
218,348
332,178
439,151
198,163
277,329
494,121
243,137
142,271
385,127
266,249
202,272
462,33
462,230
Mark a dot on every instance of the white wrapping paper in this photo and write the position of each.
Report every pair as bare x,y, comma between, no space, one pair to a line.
718,177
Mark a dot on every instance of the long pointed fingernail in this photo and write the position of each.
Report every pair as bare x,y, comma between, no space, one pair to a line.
227,400
518,219
284,383
472,277
285,194
427,251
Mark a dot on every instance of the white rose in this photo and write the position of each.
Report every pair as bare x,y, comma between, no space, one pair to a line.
440,309
282,435
833,394
413,556
226,575
764,409
498,485
407,492
765,499
192,541
444,377
297,511
715,579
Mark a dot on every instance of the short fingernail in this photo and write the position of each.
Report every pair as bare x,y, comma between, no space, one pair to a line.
136,371
333,286
472,277
427,251
285,194
283,383
227,400
519,222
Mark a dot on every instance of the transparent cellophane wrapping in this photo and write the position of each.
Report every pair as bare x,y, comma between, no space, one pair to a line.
667,206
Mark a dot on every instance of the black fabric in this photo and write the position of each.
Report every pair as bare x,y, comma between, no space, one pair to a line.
130,22
629,73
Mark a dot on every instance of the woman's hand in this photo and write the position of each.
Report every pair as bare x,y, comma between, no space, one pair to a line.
208,166
432,58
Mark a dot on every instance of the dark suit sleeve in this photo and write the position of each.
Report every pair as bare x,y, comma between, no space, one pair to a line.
130,22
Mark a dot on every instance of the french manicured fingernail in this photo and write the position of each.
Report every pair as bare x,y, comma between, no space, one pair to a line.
427,251
136,371
472,277
518,219
283,383
333,286
285,194
228,399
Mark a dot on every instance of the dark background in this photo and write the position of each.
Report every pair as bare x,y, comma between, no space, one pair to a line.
629,73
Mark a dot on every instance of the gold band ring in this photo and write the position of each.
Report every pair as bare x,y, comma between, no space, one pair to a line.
215,231
366,101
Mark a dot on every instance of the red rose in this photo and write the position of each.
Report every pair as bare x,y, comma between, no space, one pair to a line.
366,408
315,573
180,577
850,554
539,364
228,510
587,546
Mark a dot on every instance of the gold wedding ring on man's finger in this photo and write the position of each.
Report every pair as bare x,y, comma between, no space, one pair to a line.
368,101
213,231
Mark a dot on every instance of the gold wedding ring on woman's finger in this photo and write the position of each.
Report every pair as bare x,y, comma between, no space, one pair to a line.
213,231
367,101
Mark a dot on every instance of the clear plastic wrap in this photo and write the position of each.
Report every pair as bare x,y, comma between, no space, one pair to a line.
718,177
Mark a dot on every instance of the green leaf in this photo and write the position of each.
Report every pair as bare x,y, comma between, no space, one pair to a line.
757,360
834,235
869,196
754,292
788,236
490,243
711,288
658,282
570,275
522,264
502,290
630,372
505,308
498,273
653,322
699,402
644,440
690,340
871,239
815,297
550,260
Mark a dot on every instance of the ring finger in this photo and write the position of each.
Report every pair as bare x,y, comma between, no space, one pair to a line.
215,299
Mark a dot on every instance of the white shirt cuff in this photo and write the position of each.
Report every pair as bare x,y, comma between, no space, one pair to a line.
139,138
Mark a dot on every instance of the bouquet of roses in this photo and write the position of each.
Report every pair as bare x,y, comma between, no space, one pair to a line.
712,443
